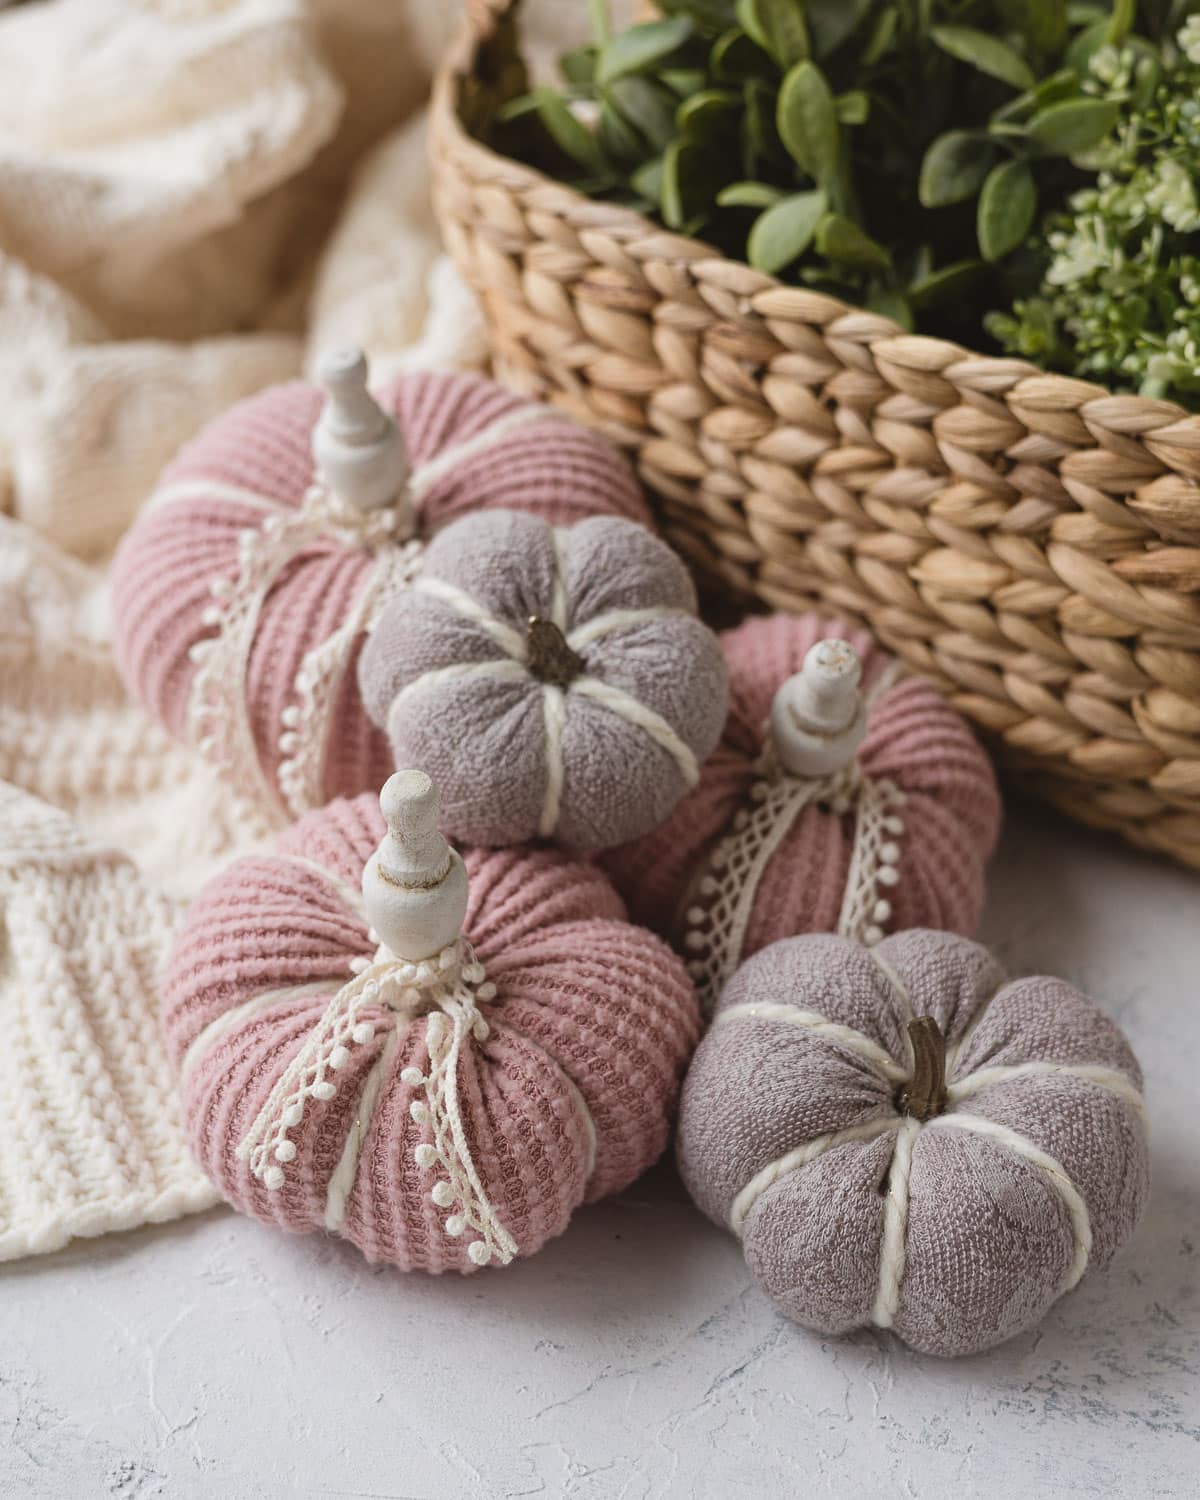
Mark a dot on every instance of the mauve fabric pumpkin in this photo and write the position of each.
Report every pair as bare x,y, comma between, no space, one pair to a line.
945,831
570,1097
251,468
958,1224
554,683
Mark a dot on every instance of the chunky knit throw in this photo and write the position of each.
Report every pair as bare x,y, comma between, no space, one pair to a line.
91,1139
241,602
902,1137
436,1137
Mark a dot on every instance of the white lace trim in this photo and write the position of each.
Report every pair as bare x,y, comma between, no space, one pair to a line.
719,909
447,991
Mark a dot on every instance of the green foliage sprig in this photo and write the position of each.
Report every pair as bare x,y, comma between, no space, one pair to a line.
1119,300
893,152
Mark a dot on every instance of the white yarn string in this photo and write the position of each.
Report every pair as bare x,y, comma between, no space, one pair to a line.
554,715
832,1032
1105,1078
217,714
345,1174
892,1252
229,1020
800,1156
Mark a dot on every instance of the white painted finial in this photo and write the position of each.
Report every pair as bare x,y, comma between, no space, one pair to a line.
414,885
819,718
358,449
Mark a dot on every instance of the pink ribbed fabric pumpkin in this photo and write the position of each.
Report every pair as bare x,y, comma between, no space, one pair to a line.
240,610
749,856
569,1096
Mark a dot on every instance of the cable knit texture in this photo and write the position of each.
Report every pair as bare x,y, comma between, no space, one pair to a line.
591,754
958,1231
91,1139
167,563
951,814
589,1034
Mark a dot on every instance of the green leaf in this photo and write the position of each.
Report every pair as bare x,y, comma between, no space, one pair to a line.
1068,128
1007,206
831,22
617,137
716,15
647,106
708,115
735,57
1061,85
1123,16
807,121
954,167
777,26
785,231
853,108
881,38
566,131
647,180
890,303
683,81
687,190
579,65
1086,45
944,285
840,239
987,53
749,195
642,48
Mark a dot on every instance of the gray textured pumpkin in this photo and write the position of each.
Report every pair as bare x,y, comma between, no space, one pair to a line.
555,682
902,1138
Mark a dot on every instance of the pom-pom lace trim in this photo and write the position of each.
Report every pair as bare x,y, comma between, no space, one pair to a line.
719,907
447,991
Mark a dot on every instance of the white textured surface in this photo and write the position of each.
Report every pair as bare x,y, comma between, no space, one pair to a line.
633,1358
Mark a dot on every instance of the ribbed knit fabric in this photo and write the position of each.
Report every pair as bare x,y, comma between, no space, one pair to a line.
914,739
90,1139
590,1031
166,563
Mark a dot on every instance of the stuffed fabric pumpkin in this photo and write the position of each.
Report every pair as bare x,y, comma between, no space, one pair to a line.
440,1106
243,594
902,1137
555,682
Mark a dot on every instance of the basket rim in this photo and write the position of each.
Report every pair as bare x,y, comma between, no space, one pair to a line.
1015,378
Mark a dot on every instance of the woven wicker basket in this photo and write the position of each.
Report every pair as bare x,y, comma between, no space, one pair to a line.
1030,543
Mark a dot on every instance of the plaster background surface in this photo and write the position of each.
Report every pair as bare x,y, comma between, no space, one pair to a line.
633,1359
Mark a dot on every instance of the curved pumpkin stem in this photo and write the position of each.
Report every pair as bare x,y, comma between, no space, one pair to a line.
924,1095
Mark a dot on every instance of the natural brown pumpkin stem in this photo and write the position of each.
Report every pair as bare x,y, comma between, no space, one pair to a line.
550,658
924,1095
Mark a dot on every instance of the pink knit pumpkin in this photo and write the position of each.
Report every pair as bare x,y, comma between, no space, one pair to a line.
900,841
568,1096
255,660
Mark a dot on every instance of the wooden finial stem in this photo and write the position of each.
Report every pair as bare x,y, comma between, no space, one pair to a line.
924,1095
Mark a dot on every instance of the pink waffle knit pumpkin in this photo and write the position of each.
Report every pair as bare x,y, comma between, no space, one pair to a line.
897,837
440,1105
901,1136
243,594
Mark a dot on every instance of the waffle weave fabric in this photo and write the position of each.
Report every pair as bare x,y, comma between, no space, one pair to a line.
958,1230
570,1097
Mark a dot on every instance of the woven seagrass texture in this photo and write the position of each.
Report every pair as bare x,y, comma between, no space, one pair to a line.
1029,542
